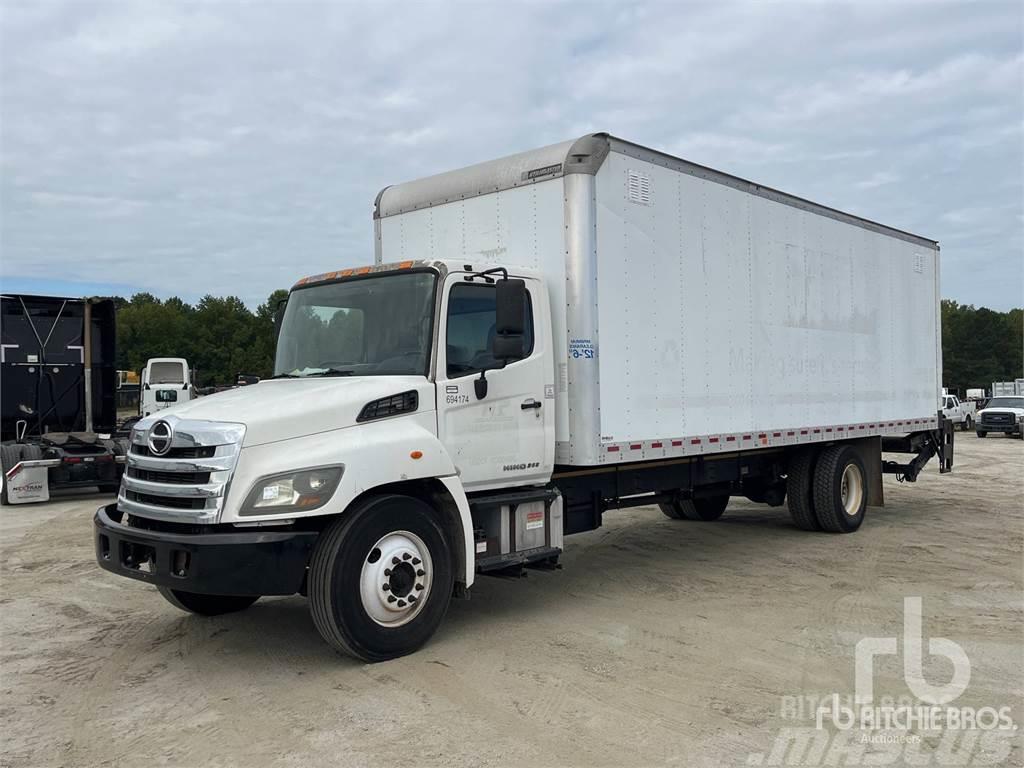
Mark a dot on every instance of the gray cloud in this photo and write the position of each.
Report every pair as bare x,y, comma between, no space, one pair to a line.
189,147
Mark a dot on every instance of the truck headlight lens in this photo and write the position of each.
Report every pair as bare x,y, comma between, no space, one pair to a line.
303,490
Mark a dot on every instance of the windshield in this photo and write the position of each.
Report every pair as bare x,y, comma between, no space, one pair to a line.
373,326
166,373
1006,402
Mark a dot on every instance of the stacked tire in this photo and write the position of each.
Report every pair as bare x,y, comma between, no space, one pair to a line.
827,489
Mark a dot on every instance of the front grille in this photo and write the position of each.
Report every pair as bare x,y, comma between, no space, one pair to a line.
179,478
189,483
997,418
203,452
173,502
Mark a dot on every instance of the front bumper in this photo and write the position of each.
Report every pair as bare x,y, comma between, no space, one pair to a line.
222,563
1009,429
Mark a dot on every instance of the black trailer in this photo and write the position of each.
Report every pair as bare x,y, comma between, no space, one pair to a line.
58,396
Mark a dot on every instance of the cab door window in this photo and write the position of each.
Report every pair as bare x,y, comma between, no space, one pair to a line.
472,326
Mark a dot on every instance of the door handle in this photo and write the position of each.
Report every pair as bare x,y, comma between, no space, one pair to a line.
530,404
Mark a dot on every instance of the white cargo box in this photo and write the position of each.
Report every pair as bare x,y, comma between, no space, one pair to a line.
693,311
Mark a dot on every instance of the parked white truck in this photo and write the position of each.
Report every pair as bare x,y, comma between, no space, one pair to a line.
166,381
543,338
961,413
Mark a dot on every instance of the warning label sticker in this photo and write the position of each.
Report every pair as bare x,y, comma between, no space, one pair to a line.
534,520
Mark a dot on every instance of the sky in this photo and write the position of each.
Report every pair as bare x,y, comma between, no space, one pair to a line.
185,148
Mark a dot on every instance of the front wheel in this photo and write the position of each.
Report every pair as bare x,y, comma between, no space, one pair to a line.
206,605
381,578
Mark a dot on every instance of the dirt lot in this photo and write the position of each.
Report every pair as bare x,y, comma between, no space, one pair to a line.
660,643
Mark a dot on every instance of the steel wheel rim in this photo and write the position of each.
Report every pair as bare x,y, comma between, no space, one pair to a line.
396,577
851,489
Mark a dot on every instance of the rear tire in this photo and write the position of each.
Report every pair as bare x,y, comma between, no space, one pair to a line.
979,433
840,489
800,490
704,510
206,605
387,547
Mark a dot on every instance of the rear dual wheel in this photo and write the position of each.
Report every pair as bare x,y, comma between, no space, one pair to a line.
827,490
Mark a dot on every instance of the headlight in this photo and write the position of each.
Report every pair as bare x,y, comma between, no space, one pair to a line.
290,491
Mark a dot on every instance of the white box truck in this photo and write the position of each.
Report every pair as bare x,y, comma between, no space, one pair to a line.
543,338
166,381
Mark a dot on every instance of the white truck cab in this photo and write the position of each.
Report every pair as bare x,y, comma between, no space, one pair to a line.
166,382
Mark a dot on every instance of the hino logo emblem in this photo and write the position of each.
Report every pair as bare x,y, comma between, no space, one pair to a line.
160,437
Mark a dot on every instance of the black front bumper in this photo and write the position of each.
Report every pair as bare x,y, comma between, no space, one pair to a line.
221,563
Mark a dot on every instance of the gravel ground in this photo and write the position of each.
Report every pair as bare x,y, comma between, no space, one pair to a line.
660,643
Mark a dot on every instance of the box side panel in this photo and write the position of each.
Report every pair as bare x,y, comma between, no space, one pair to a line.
732,313
521,227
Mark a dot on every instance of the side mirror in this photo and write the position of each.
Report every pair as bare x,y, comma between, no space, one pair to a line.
510,311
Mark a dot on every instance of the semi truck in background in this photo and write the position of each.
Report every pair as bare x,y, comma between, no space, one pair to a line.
166,381
542,339
58,387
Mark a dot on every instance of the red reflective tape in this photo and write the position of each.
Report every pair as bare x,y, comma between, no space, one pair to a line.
676,443
817,431
635,447
840,429
712,439
613,448
762,436
861,427
803,431
695,441
746,437
776,434
72,460
730,439
790,434
656,445
829,429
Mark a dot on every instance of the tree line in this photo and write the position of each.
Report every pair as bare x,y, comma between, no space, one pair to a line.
221,338
980,345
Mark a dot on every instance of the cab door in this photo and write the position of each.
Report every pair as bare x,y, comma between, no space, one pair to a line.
507,437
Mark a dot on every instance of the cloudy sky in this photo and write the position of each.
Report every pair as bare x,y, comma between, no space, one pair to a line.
185,148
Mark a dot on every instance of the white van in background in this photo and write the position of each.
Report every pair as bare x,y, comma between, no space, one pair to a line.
166,381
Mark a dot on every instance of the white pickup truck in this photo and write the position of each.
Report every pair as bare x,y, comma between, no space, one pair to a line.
1002,414
962,414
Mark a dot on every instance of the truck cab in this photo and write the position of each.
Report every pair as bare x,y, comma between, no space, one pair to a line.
166,381
398,390
960,413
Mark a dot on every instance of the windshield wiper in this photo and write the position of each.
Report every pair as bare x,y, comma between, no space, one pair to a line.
286,376
333,372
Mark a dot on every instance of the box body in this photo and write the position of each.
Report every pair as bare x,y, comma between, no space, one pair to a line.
693,312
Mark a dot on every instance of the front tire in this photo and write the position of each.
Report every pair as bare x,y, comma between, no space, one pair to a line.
381,578
206,605
840,489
